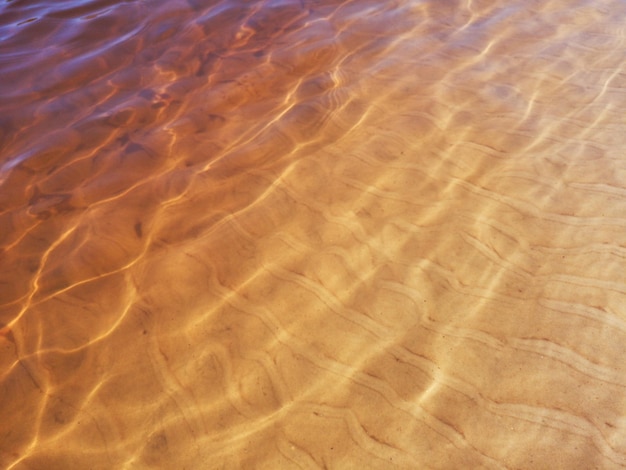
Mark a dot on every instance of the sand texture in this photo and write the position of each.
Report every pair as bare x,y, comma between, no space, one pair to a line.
313,234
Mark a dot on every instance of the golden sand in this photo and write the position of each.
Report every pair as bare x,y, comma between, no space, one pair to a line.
316,234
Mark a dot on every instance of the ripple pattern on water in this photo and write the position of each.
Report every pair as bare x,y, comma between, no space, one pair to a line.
312,234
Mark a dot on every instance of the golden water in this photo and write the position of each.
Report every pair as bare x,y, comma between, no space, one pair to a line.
312,234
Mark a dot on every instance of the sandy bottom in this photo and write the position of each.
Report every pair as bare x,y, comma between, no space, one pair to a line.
317,234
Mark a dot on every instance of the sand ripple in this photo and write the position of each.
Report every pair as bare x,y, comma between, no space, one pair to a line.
312,234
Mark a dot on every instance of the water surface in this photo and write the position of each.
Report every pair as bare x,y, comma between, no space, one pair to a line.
312,234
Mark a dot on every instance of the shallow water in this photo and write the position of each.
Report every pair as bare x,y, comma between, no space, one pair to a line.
312,234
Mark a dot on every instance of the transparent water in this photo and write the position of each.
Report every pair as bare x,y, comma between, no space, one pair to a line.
312,234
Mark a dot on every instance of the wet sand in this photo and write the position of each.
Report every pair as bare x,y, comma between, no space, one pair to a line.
317,234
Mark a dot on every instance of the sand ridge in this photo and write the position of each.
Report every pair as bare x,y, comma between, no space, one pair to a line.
313,235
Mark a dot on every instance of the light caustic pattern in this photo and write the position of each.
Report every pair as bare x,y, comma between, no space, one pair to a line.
312,234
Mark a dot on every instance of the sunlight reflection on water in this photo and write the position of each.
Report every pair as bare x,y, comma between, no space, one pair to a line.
362,234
